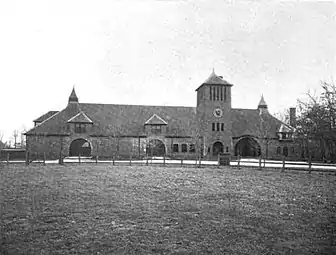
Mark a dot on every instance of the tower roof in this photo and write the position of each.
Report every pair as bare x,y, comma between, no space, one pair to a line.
73,97
262,103
214,79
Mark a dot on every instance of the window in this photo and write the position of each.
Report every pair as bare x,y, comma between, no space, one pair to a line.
227,149
184,148
210,89
217,92
192,148
80,128
293,150
218,126
213,126
278,150
285,151
214,93
221,90
224,93
175,147
222,126
156,129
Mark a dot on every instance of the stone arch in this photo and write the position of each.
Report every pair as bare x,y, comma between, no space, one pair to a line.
156,148
81,147
247,147
217,148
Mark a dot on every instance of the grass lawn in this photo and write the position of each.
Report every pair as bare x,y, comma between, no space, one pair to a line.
89,209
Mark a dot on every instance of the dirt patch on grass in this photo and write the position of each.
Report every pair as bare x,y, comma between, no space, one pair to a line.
155,210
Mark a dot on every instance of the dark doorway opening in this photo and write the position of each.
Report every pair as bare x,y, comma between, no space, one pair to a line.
80,147
248,147
156,148
217,148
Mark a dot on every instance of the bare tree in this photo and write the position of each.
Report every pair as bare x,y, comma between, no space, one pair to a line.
283,116
316,123
23,137
15,137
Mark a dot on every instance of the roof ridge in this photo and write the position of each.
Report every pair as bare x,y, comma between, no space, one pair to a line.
141,105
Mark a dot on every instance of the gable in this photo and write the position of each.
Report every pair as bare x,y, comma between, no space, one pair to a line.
80,117
155,120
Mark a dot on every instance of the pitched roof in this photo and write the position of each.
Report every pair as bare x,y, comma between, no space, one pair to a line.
214,79
251,122
80,118
155,120
45,116
111,119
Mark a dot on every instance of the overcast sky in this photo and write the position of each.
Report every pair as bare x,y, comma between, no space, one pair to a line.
159,52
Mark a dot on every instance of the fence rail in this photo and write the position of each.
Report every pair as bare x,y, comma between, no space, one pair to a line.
259,163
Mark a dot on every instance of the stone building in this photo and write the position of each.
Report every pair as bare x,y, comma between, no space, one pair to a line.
210,128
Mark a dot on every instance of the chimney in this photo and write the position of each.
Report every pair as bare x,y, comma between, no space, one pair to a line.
292,116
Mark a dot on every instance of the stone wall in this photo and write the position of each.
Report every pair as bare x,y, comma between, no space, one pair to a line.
38,145
107,147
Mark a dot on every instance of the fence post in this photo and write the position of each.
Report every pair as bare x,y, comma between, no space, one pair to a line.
310,164
218,159
260,162
130,160
79,158
238,163
283,164
7,158
113,158
97,160
146,161
264,162
27,158
44,158
181,161
164,160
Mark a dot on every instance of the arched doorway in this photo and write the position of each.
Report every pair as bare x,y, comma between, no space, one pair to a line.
156,148
80,147
217,148
247,147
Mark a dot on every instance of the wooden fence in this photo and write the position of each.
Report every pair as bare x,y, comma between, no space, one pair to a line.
256,163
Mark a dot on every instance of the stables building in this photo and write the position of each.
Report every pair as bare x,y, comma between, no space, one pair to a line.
210,128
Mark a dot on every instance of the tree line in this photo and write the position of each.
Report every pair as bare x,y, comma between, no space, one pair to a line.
316,122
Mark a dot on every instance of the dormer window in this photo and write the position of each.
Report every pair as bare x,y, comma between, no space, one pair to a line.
156,129
285,133
155,124
80,128
80,123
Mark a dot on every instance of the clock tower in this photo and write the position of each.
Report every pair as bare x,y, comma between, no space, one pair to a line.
214,115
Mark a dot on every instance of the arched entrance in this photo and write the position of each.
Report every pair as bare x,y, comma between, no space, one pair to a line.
247,147
80,147
156,148
217,148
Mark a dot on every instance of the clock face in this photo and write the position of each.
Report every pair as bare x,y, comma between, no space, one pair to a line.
218,113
